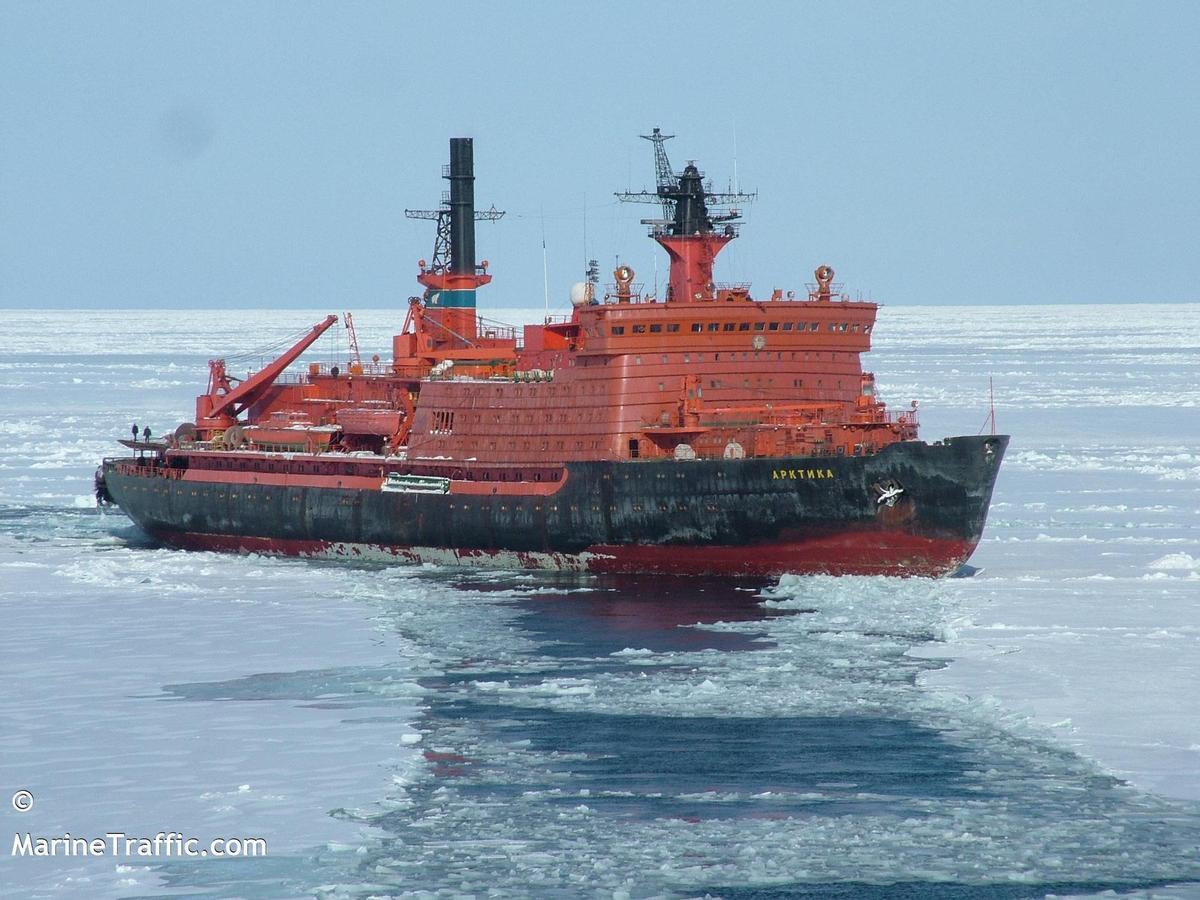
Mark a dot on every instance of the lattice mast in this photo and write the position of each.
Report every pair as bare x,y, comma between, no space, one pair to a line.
452,276
688,228
355,357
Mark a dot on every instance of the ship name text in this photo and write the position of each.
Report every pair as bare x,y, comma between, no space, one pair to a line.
801,474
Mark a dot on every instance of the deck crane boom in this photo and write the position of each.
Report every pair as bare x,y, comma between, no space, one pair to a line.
355,358
219,408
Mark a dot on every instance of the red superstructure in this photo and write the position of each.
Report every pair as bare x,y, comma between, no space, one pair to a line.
706,369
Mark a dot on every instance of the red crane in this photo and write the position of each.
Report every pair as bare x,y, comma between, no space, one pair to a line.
219,408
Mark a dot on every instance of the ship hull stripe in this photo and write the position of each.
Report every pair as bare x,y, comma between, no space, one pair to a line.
846,553
361,483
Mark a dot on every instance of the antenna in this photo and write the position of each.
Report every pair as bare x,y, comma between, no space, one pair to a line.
687,188
991,416
992,403
735,175
545,264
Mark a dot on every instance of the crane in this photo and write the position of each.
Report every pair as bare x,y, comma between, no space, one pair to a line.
355,359
219,407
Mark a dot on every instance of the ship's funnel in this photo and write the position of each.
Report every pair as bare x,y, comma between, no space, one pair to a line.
450,284
462,207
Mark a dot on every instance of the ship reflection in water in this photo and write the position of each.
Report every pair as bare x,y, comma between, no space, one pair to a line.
607,614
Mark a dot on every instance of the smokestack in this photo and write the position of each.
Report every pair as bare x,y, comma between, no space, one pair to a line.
462,207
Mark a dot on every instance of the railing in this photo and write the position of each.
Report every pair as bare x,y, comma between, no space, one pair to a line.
490,331
372,369
140,470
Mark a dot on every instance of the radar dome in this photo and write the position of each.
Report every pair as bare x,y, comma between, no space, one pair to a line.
581,293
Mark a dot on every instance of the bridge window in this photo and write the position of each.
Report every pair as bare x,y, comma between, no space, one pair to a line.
713,326
697,326
618,329
639,329
729,326
760,326
773,326
672,327
814,326
787,326
866,329
655,329
744,326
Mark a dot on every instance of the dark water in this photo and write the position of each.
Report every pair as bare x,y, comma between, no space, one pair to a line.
681,738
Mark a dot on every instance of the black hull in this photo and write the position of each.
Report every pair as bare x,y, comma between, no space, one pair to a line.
739,517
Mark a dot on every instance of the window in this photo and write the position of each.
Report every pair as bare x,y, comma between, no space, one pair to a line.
618,329
761,326
697,326
672,327
633,448
729,326
773,326
744,326
655,329
814,326
787,326
833,326
842,327
639,329
713,326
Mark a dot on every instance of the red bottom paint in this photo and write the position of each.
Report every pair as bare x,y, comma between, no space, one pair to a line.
863,552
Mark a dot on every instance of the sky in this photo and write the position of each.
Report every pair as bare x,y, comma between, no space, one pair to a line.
257,154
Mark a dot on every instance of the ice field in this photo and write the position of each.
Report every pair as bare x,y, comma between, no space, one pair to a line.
1025,732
